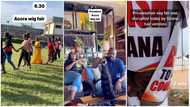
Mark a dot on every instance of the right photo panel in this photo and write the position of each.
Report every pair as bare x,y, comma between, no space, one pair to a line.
157,53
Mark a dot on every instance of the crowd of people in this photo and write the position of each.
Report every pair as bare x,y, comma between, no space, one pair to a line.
28,55
54,49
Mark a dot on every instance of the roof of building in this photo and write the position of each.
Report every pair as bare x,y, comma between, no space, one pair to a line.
57,19
54,19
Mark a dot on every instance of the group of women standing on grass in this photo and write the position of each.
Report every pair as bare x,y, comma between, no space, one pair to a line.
54,48
27,51
7,50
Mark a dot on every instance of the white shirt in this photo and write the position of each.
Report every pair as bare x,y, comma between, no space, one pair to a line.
158,37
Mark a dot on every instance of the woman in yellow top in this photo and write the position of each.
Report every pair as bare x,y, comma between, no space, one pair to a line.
36,57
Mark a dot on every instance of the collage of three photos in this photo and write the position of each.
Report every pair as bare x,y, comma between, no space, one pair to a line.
94,53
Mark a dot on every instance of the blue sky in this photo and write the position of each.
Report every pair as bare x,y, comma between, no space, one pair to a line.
185,43
9,8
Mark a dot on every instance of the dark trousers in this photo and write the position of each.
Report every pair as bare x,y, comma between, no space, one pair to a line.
54,57
26,56
3,58
50,56
58,53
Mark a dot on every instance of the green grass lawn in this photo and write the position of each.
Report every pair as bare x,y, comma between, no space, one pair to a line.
41,85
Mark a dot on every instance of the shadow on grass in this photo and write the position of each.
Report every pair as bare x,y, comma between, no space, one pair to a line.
34,88
48,68
50,80
23,98
55,79
51,64
29,87
54,76
52,69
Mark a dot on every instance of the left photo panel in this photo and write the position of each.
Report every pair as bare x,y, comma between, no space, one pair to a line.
32,53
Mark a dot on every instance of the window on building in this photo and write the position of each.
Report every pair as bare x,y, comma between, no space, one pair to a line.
58,26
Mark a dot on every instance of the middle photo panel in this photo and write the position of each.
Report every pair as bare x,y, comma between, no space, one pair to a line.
95,53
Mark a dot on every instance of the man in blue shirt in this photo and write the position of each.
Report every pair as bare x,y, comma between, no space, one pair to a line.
116,69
